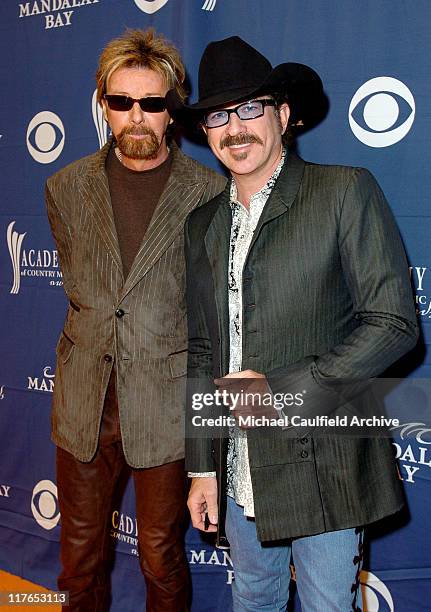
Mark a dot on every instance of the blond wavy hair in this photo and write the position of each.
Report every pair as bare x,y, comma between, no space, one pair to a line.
141,49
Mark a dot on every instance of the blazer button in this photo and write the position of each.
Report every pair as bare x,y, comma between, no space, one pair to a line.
304,440
107,358
304,454
119,313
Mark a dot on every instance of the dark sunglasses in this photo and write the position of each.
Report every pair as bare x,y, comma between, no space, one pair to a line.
151,104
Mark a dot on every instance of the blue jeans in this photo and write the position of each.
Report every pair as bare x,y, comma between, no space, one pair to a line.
327,568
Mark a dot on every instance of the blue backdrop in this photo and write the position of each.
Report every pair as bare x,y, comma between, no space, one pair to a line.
373,57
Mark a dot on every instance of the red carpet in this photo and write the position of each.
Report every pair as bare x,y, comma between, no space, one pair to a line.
13,584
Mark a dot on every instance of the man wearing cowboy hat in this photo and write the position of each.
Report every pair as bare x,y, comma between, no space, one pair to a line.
296,279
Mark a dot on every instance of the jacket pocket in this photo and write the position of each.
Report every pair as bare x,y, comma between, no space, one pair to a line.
270,450
178,364
65,347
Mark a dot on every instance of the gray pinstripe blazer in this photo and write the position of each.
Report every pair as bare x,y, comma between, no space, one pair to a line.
149,341
326,296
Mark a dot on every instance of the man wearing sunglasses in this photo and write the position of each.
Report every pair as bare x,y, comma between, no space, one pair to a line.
296,283
117,217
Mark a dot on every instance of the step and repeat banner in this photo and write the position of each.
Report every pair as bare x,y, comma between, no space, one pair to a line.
374,59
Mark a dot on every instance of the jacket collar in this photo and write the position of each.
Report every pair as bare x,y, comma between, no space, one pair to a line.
94,191
181,193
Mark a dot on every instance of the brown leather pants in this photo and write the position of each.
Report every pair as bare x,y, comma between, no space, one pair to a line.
86,493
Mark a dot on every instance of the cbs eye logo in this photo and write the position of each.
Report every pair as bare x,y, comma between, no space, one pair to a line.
44,504
150,6
375,594
45,137
381,112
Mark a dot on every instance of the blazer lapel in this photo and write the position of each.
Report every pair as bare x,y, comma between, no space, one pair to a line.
217,244
217,239
181,194
94,190
283,194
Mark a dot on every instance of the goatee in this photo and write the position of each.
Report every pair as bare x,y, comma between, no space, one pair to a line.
239,139
146,148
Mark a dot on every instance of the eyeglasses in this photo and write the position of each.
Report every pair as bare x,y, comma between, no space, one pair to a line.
151,104
245,111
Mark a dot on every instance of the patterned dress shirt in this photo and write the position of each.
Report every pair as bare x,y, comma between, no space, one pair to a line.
244,223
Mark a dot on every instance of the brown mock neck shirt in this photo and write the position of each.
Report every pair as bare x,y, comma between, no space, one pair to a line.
134,197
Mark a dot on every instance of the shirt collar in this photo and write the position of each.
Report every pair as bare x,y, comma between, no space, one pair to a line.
265,190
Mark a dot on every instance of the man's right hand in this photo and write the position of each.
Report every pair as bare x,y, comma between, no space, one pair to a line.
203,499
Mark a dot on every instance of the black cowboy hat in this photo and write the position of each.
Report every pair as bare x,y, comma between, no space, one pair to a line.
231,70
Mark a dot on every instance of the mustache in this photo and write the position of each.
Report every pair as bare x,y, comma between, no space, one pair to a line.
239,139
137,131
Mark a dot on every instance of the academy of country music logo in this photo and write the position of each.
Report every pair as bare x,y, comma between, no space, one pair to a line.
375,594
44,504
43,383
2,392
14,243
45,137
31,263
382,112
421,278
56,13
100,123
209,5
